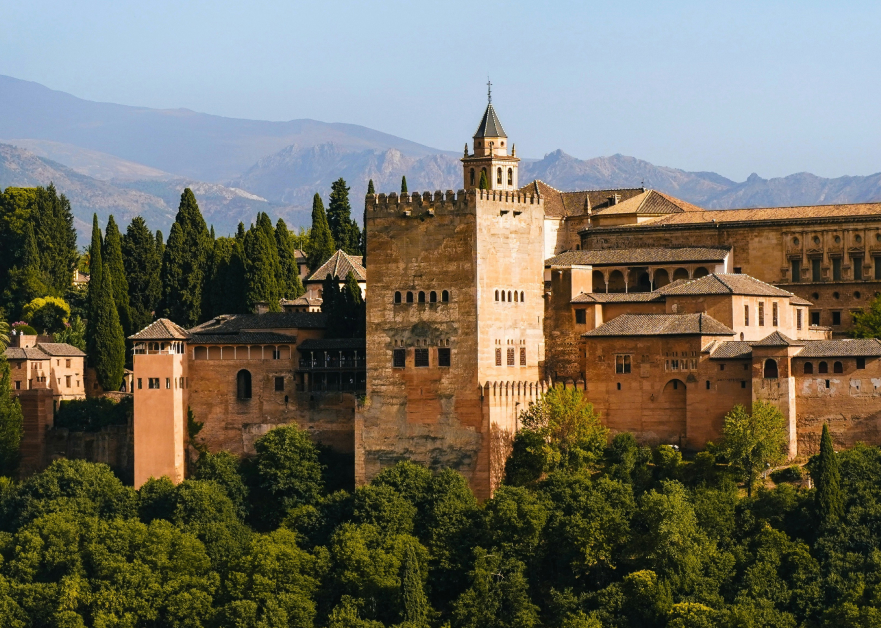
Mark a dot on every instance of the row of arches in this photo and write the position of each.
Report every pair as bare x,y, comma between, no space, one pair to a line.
511,296
242,352
421,296
499,176
642,279
823,367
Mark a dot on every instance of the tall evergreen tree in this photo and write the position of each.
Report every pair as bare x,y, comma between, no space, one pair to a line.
26,282
140,257
240,232
109,343
356,312
160,249
416,609
345,231
11,423
484,184
290,286
404,185
827,479
260,276
112,254
96,271
265,224
333,307
370,188
236,286
184,265
321,245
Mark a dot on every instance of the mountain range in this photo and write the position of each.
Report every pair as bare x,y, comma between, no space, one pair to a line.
126,160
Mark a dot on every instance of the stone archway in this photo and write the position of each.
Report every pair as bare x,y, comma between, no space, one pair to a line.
661,278
680,273
672,410
616,282
599,281
699,272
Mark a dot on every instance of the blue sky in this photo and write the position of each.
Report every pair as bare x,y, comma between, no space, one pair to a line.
774,87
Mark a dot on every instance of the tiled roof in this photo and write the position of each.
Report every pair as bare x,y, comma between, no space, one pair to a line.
244,338
649,203
617,297
655,255
302,301
855,347
560,204
661,325
338,266
489,124
60,349
319,344
797,300
233,323
732,349
161,329
777,339
25,353
718,283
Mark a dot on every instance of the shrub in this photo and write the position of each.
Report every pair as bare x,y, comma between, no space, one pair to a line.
790,474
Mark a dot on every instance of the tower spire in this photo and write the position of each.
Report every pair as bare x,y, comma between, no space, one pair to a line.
489,91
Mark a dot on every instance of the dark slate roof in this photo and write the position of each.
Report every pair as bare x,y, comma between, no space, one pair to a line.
243,338
656,255
661,325
728,284
234,323
617,297
338,266
61,349
324,344
25,353
161,329
732,349
856,347
777,339
490,125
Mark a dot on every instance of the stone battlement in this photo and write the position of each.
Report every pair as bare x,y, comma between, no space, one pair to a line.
444,201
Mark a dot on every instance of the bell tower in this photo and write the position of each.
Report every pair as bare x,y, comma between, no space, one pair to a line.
490,154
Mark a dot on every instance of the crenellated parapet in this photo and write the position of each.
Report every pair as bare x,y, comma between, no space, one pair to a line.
427,204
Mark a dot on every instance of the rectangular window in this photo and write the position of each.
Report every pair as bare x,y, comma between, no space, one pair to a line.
674,365
168,382
761,313
181,383
774,314
746,316
708,384
796,270
421,357
742,384
522,356
279,384
836,318
443,357
857,268
18,385
836,269
622,364
399,358
498,357
581,317
815,318
815,269
861,363
154,383
798,319
140,384
721,367
511,356
67,381
67,363
694,365
276,354
737,270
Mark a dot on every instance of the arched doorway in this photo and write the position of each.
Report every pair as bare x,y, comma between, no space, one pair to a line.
599,282
616,282
671,407
770,369
661,278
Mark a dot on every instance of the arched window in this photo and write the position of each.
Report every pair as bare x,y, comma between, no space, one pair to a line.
823,368
421,297
243,384
770,369
397,297
503,296
838,367
432,297
497,295
445,296
809,368
409,297
472,176
510,176
516,297
499,176
521,296
509,296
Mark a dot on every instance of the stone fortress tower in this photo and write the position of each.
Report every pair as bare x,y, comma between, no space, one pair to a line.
454,320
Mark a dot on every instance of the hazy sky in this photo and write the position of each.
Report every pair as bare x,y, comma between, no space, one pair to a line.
774,87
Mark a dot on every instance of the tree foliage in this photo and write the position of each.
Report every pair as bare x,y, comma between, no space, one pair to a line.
142,262
11,423
867,323
321,244
47,314
752,441
344,230
827,479
113,262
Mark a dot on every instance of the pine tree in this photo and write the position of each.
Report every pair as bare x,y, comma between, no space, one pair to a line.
140,258
403,185
484,184
260,276
185,264
370,188
345,231
26,282
827,479
96,270
11,424
53,228
109,343
415,605
321,245
112,255
289,284
240,232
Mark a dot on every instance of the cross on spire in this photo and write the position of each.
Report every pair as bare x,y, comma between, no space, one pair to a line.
489,91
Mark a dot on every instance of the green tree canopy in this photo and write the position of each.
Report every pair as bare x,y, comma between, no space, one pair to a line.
47,314
483,183
752,441
403,185
185,264
867,323
142,262
827,480
113,261
261,270
344,230
108,355
11,423
93,298
290,285
321,244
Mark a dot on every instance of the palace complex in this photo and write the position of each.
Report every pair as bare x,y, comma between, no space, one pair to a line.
665,314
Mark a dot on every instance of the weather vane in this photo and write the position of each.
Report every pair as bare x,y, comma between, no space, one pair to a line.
489,91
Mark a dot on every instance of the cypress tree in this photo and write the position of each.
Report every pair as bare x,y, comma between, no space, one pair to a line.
218,274
332,304
370,189
260,270
484,184
236,285
27,281
240,232
404,185
52,220
289,285
112,255
415,603
321,245
185,264
355,310
140,258
344,230
827,479
109,342
160,249
265,224
11,424
96,270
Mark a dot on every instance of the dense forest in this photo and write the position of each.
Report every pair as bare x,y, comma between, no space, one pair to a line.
581,534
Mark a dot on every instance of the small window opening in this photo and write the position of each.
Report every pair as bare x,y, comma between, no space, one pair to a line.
397,297
809,368
837,367
445,297
823,368
409,297
432,297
